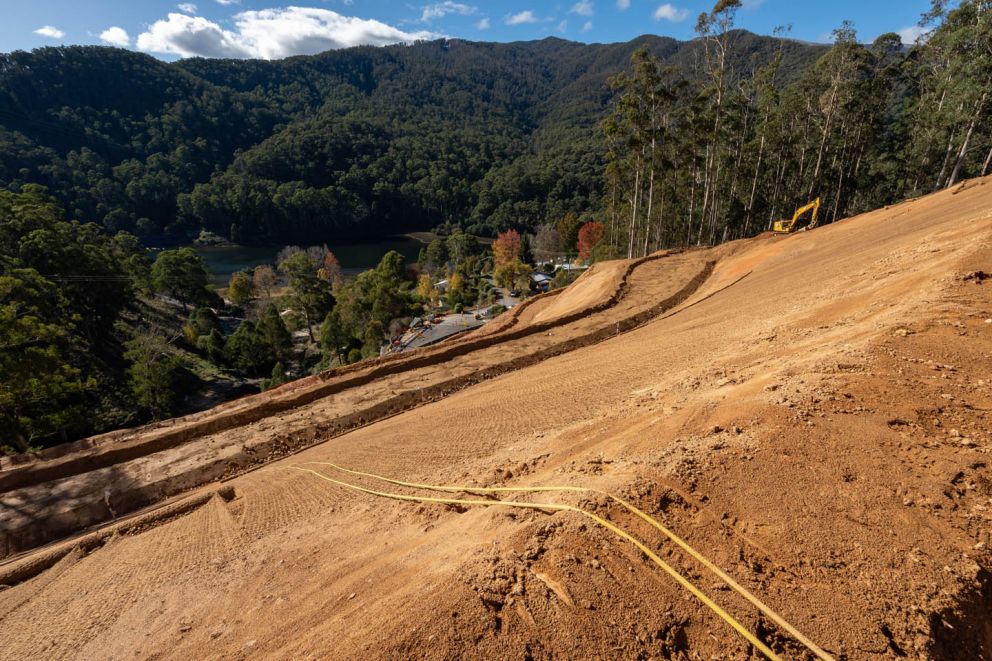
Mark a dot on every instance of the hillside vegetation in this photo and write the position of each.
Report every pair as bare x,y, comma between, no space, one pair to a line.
360,142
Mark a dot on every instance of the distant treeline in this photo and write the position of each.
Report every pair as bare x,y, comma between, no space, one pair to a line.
711,153
348,144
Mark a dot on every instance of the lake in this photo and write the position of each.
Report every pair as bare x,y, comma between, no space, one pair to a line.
222,261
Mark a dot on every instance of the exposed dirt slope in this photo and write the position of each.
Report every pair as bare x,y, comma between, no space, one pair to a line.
94,485
815,420
594,285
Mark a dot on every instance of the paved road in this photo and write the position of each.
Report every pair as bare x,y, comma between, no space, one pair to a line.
452,324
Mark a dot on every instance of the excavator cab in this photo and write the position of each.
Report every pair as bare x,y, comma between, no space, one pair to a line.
796,225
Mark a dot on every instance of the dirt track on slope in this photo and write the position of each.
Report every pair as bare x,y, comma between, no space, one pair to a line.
264,427
819,429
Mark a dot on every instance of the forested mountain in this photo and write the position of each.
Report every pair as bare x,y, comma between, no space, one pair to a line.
354,143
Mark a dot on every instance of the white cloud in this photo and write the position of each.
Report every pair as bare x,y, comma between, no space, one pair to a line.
191,36
587,26
484,24
442,9
563,27
50,31
116,36
911,34
228,2
623,4
187,7
269,34
669,12
526,16
582,8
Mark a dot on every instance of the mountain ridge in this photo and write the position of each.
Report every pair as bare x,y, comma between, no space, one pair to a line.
134,143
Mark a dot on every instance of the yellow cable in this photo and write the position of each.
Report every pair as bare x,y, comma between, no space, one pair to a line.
684,582
738,588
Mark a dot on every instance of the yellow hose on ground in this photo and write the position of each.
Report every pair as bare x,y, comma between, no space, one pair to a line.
681,580
734,585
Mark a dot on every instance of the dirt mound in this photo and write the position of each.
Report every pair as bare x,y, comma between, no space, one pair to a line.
813,420
595,285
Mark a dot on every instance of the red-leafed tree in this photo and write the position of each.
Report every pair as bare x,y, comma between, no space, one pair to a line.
330,267
506,247
590,235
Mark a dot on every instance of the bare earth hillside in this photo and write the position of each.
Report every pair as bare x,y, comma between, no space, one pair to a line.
810,413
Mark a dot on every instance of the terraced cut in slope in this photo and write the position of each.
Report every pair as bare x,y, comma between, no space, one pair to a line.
183,456
813,420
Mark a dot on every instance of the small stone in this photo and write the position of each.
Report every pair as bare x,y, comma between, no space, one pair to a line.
716,429
968,443
251,643
351,596
184,628
954,433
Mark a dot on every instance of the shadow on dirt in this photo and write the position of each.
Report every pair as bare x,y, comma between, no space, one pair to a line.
965,632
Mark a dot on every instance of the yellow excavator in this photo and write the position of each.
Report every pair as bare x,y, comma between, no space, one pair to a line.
790,226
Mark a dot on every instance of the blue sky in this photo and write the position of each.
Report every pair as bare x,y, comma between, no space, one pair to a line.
270,29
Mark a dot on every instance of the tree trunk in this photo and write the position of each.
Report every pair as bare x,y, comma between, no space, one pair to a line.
754,186
692,207
306,317
823,140
963,153
647,220
715,207
801,172
633,212
779,174
947,161
988,161
706,197
660,235
613,213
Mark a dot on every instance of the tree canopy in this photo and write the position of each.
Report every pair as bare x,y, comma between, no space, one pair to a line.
348,144
63,287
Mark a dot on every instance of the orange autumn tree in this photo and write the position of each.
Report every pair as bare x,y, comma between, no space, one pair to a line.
590,235
330,267
506,247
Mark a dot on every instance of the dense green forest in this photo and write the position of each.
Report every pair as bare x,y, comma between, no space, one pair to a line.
348,144
94,334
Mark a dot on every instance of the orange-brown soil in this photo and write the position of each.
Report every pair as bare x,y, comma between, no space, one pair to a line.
814,419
